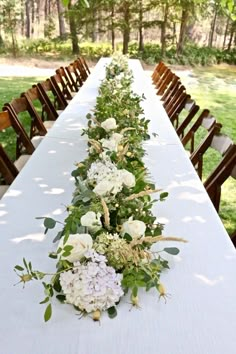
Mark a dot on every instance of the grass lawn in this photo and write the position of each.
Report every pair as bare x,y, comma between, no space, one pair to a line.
213,88
10,88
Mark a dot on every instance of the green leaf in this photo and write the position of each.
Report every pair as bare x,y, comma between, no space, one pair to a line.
171,250
135,291
49,223
45,300
52,255
48,313
127,237
17,267
61,298
163,196
25,264
112,313
68,248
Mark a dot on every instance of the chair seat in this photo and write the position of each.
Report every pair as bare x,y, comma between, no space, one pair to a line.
73,94
20,163
3,190
48,123
37,140
59,112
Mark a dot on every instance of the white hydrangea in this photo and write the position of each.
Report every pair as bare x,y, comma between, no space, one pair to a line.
135,228
81,244
92,286
109,124
91,220
100,169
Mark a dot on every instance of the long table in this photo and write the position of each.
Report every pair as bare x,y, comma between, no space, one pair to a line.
200,315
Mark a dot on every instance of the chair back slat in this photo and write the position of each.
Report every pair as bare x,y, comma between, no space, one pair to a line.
221,143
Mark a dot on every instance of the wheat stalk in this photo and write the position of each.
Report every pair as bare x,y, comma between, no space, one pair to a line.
154,239
106,213
142,194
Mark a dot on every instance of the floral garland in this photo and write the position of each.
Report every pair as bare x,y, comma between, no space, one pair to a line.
104,248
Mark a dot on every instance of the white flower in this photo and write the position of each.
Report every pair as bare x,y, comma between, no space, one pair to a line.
81,244
91,220
109,124
92,286
109,144
128,178
108,186
135,228
117,137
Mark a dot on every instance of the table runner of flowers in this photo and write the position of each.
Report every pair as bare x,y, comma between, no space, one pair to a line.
104,248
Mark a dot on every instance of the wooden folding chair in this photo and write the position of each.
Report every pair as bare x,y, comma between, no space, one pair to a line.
54,98
168,104
8,171
184,104
67,82
156,70
171,90
62,86
23,105
159,78
79,66
197,156
205,120
22,144
74,76
42,105
85,64
186,121
225,169
165,83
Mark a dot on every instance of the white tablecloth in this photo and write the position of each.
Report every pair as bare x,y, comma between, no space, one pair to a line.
200,315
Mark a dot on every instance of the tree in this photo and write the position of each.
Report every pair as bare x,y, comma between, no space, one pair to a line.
10,17
61,19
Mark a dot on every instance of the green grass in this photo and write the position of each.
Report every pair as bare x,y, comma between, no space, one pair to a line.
10,88
214,88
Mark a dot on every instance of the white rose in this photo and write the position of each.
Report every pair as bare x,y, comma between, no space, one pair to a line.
117,137
81,244
128,178
135,228
91,220
103,187
109,144
109,124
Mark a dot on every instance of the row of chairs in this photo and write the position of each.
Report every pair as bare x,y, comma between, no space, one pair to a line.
187,119
41,105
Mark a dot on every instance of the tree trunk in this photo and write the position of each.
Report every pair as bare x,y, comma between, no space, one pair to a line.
73,33
22,17
212,30
140,27
27,14
112,28
231,37
226,32
183,26
163,31
61,21
126,30
32,17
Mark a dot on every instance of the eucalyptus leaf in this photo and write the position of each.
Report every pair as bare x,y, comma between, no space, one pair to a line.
45,300
17,267
172,250
49,223
48,313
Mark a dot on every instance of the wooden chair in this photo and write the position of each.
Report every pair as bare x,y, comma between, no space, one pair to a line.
205,120
67,82
8,171
197,156
184,104
165,83
225,169
74,77
159,75
42,105
156,70
54,98
171,90
62,87
186,121
85,64
22,105
79,66
168,104
23,145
